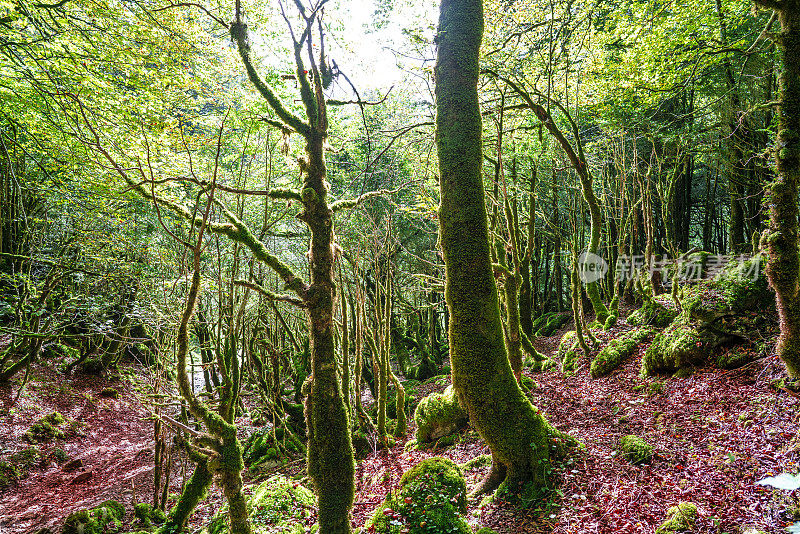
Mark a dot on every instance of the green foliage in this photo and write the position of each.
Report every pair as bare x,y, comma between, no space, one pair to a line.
679,518
438,415
617,351
431,499
635,449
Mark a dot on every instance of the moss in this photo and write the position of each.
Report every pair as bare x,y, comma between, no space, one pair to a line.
485,530
567,352
553,323
438,415
110,393
679,518
635,449
146,515
9,473
484,460
680,346
193,492
617,351
59,455
104,518
45,429
736,356
654,313
541,321
527,383
432,496
26,458
278,504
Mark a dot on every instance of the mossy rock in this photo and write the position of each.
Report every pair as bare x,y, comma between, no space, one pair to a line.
146,515
45,429
680,346
432,497
739,288
567,352
657,312
541,321
484,460
553,323
9,473
635,449
104,518
276,505
92,366
737,356
617,351
539,366
439,415
110,393
680,518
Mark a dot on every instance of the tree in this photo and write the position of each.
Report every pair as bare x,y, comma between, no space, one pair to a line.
518,436
783,269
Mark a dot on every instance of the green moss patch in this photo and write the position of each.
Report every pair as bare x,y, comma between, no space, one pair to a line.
567,352
107,517
146,515
654,313
277,505
432,497
617,351
635,449
680,518
553,323
45,429
680,346
265,447
439,415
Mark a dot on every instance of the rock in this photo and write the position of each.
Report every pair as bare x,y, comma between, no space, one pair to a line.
82,477
679,518
432,497
635,449
439,415
277,505
72,465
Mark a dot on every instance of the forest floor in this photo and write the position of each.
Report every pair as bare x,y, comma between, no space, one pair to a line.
715,434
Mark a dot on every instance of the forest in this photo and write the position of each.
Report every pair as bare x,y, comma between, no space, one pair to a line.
399,266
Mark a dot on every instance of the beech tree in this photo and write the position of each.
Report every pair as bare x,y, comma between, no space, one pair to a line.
783,269
518,436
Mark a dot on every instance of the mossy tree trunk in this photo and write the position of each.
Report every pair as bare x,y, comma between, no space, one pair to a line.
783,269
482,377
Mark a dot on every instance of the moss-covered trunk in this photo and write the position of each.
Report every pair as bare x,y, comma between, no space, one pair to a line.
783,269
482,376
330,451
193,492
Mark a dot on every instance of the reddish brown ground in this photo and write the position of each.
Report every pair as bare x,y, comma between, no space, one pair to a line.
715,434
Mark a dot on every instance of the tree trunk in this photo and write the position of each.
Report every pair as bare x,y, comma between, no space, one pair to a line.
783,269
516,434
330,450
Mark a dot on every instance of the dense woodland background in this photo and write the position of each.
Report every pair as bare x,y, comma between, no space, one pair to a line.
227,233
